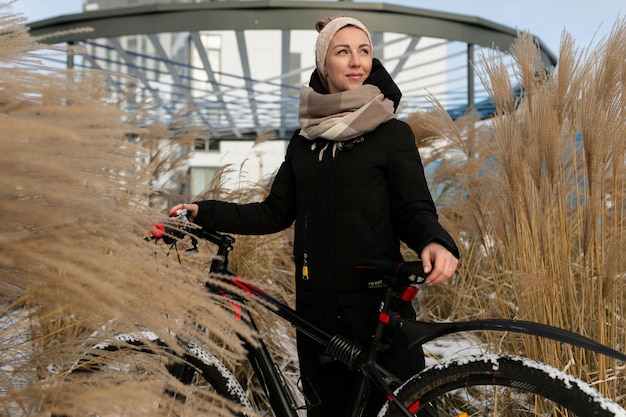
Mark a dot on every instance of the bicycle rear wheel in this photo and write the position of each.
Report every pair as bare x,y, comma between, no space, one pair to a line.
502,386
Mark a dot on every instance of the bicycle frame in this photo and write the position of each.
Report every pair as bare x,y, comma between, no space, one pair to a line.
346,351
279,395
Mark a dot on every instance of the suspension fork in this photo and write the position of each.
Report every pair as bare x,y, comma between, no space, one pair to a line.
272,380
278,393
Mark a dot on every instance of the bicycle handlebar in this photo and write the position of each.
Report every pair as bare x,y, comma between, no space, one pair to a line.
411,271
178,226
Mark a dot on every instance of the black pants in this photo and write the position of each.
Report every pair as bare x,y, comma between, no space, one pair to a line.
332,382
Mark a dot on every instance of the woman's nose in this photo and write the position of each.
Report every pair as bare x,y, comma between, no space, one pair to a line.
355,60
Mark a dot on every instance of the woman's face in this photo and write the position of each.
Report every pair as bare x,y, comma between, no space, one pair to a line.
348,59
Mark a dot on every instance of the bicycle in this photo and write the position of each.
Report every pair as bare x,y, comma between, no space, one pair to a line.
480,385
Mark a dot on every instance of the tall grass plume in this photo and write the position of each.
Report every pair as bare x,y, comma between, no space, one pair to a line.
536,197
78,199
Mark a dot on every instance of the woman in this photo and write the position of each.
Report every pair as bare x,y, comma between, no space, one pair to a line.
354,184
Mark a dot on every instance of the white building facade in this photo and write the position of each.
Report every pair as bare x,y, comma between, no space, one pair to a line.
235,68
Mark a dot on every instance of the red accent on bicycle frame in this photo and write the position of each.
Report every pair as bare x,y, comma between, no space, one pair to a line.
158,231
383,317
414,407
409,293
241,285
236,307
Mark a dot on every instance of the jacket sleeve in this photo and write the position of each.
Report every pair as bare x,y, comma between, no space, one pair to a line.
412,206
275,213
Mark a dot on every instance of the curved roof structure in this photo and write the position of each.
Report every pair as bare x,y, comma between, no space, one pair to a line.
248,82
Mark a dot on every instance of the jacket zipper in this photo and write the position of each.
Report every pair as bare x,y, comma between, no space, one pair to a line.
305,255
331,214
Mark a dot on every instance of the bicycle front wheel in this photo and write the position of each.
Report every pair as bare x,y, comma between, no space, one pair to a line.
502,386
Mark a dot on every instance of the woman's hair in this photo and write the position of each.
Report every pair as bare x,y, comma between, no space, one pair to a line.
320,24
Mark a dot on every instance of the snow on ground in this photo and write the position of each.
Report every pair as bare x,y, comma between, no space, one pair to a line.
14,352
452,346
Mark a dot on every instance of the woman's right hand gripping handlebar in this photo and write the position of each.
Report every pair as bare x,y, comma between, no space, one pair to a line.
192,210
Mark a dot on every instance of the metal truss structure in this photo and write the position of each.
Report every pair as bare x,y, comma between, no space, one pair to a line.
426,52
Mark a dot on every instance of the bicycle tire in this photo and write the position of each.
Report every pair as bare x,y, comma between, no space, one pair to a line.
216,374
212,380
503,386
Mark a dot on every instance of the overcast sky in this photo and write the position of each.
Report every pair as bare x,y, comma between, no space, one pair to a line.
545,19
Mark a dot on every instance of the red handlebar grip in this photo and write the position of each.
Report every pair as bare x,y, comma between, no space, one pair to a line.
158,231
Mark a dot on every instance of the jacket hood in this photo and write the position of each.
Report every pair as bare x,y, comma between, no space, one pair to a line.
378,77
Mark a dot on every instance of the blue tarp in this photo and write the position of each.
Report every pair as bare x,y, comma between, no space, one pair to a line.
485,108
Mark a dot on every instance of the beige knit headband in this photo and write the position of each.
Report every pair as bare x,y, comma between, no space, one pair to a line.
327,33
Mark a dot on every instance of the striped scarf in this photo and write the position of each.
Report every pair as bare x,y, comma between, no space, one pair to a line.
342,116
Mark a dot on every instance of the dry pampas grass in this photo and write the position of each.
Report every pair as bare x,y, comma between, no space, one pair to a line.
536,198
77,202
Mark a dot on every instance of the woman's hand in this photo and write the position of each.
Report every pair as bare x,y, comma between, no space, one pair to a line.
192,210
439,263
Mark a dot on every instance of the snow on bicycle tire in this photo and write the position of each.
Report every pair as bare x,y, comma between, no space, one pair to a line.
213,385
502,386
218,376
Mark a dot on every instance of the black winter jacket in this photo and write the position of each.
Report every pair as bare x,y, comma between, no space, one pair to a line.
358,204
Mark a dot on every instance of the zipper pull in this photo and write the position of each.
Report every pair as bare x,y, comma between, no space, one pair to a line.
305,268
